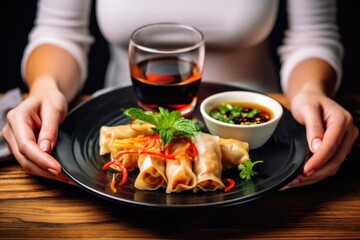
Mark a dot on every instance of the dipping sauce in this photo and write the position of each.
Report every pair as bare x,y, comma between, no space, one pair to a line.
241,113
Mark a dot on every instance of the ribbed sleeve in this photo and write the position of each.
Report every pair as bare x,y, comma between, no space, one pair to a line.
64,23
312,33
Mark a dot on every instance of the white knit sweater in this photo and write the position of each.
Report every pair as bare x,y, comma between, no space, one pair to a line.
235,34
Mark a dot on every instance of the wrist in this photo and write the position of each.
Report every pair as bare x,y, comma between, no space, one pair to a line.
43,84
312,87
311,76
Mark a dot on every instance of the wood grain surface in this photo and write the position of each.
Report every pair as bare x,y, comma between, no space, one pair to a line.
36,208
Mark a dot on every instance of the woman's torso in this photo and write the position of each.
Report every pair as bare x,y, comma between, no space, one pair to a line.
235,33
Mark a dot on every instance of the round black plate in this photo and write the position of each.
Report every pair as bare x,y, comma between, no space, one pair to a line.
78,152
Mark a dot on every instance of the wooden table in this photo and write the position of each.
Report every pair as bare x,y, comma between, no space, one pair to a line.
37,208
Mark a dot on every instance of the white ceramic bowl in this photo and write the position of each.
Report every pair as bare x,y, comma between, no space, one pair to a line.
257,134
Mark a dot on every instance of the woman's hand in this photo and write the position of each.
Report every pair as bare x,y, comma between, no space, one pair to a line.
330,133
32,131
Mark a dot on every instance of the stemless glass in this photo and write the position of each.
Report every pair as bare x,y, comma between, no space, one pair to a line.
166,66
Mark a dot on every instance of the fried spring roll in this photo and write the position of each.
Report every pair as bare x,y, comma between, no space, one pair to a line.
233,152
110,133
152,171
179,172
207,165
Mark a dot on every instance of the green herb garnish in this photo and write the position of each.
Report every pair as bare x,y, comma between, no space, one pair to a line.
168,125
246,169
235,113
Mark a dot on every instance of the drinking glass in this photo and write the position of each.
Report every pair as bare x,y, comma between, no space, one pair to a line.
166,66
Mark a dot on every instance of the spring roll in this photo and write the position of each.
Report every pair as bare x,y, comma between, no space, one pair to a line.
127,150
207,165
152,170
109,133
179,172
233,152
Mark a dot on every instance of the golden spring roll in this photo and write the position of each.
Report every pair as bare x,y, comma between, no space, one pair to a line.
126,150
179,172
119,146
233,152
207,165
109,133
152,170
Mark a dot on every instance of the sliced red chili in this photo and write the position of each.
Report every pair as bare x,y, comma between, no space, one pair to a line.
230,183
192,151
147,152
124,172
159,155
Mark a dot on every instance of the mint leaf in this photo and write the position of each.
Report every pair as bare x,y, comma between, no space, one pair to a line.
185,127
166,136
167,124
137,113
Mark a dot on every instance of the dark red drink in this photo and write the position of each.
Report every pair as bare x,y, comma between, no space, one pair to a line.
168,82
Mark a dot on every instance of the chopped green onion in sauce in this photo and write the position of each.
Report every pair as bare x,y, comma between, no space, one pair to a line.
241,113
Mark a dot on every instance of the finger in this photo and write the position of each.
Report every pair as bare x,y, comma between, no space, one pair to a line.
25,143
314,128
51,120
27,165
331,141
331,167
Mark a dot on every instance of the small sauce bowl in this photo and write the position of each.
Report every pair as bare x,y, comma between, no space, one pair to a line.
255,134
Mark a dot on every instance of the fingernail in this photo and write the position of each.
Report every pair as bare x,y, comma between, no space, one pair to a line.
290,185
295,181
310,173
52,171
45,145
315,144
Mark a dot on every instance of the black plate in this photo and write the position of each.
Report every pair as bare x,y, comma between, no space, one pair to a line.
78,152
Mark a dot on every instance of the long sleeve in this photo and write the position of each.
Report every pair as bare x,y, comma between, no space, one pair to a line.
65,24
312,33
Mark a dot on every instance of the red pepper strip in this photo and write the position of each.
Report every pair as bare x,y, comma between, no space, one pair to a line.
192,151
107,165
124,174
231,183
181,151
154,136
167,148
130,169
123,170
124,177
159,155
147,152
123,153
